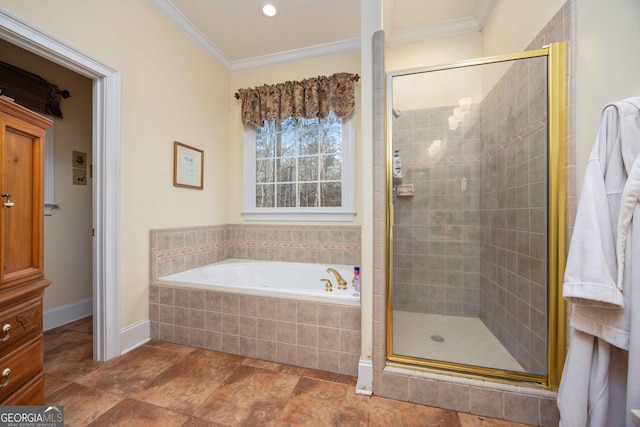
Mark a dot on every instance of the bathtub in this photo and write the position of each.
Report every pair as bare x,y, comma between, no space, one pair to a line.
300,281
273,311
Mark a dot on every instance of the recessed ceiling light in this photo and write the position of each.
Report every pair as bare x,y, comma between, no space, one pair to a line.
269,10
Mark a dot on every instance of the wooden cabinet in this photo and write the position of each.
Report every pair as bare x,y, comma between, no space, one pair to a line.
22,281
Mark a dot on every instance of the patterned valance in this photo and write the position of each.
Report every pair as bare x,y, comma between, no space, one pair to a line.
314,97
30,90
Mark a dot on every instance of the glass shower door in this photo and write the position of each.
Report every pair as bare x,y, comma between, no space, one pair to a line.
469,237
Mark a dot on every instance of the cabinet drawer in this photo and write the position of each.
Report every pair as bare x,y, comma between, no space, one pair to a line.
31,394
19,322
20,366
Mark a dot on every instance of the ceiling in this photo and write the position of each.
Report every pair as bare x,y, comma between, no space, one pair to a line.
236,33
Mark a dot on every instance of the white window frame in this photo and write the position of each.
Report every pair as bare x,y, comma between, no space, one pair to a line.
346,212
49,161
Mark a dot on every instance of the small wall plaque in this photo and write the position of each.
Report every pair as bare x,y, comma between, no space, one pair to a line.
79,176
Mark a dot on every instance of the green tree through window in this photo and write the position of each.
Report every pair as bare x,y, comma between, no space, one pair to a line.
299,163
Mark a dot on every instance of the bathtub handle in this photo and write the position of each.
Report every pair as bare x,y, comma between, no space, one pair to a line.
328,287
342,284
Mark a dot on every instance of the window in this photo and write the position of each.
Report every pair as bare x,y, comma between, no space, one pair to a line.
49,199
300,169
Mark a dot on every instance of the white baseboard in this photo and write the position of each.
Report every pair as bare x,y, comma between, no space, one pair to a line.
365,378
67,313
135,335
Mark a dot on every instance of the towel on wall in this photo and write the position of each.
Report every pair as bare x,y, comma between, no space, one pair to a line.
600,280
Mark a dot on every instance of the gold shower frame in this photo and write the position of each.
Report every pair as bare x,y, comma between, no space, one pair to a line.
557,225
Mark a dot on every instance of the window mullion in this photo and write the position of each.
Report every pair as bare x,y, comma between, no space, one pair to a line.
319,175
297,171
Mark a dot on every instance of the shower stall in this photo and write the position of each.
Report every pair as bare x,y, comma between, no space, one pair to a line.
476,216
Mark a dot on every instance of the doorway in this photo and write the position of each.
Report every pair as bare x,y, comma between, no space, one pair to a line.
105,148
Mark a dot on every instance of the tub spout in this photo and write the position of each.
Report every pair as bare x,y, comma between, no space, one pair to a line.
342,284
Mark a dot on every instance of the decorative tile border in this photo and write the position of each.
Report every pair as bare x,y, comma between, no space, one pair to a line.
177,249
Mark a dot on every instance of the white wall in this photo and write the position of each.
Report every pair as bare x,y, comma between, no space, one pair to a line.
171,90
608,36
67,232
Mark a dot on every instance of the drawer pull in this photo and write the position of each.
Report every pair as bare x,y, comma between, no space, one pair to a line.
6,328
5,374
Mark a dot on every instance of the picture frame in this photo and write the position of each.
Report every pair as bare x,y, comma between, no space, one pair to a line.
188,166
79,160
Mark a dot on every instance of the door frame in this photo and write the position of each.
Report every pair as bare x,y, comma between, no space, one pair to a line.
106,172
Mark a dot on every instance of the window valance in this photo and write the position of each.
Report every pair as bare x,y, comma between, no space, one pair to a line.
313,97
30,90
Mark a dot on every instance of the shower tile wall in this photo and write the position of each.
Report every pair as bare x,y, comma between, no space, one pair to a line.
437,231
514,207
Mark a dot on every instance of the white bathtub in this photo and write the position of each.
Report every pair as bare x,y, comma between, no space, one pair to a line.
298,280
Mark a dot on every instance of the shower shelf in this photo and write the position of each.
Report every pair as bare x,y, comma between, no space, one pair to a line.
405,190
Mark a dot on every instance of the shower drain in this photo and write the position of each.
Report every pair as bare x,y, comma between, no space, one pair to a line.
437,338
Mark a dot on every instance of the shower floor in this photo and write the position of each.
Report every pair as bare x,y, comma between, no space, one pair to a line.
449,338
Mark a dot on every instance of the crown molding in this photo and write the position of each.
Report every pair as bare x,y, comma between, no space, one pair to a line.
408,35
482,12
445,28
295,55
440,29
168,9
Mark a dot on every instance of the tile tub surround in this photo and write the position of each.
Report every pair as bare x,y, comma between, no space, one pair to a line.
319,336
305,334
173,250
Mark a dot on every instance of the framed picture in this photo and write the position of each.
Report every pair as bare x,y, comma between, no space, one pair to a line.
188,164
79,160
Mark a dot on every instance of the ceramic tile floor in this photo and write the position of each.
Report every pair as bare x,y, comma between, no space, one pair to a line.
162,384
465,340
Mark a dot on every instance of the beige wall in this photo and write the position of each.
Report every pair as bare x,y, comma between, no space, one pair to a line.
171,90
349,63
438,51
513,24
67,233
607,62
